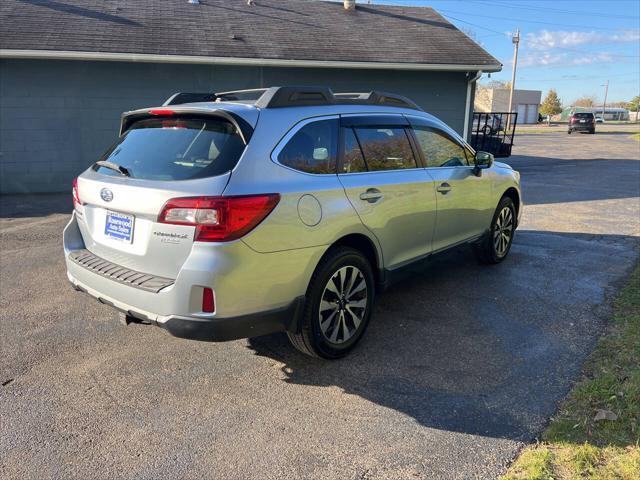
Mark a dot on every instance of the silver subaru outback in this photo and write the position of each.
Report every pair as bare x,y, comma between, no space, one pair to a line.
238,214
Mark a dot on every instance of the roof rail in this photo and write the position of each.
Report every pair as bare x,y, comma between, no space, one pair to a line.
275,97
185,97
250,94
295,96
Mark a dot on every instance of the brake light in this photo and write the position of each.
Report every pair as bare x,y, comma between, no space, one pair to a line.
161,111
208,302
219,219
76,196
173,124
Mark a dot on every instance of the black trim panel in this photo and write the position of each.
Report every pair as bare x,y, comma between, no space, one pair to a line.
112,271
391,276
373,120
233,328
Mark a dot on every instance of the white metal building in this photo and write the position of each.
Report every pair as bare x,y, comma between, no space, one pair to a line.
525,102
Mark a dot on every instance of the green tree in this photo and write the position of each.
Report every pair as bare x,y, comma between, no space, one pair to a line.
633,104
586,101
498,84
551,104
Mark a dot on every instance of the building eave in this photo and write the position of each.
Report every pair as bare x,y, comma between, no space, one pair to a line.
263,62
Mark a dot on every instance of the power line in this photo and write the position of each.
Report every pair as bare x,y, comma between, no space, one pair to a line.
529,21
555,10
577,78
474,25
595,53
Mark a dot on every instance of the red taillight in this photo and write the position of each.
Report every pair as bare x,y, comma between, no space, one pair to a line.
219,219
76,196
208,303
161,111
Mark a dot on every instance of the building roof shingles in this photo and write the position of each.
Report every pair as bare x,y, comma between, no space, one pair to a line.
268,29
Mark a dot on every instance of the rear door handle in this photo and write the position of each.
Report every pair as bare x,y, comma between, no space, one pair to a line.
372,195
444,188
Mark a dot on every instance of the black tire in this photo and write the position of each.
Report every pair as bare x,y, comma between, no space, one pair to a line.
486,250
311,339
569,131
592,132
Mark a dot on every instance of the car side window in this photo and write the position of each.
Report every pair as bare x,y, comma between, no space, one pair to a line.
439,150
353,161
385,148
471,158
313,148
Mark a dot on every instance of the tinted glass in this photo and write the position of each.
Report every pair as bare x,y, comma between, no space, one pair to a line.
471,158
176,149
353,159
313,148
385,148
438,150
583,115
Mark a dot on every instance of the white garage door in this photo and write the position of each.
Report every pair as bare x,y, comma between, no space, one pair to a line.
522,113
532,114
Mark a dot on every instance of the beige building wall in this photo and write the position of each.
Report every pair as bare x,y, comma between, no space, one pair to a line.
483,100
525,102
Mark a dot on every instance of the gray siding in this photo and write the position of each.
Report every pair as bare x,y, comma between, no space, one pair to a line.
57,117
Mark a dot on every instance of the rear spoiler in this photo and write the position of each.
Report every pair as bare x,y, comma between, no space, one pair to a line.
242,126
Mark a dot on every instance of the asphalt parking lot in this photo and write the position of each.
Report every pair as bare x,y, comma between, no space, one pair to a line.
461,365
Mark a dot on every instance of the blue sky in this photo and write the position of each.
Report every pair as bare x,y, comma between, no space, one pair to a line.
572,46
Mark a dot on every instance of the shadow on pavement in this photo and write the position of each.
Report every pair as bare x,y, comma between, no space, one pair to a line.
474,349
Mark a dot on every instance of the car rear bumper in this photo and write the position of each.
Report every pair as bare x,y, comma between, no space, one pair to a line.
255,293
586,127
211,329
246,326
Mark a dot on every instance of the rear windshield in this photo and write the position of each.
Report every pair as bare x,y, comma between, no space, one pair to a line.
583,115
176,149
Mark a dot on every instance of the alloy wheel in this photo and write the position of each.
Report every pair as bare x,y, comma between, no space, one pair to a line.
503,231
343,304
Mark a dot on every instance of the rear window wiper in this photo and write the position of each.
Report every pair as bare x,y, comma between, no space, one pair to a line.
113,166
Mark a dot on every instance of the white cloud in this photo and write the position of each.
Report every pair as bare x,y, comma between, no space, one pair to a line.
542,59
592,58
545,39
547,59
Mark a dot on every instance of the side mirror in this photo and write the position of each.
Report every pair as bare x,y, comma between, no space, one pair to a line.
483,160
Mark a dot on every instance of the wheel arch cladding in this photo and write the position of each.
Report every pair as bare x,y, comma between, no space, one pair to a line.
512,193
365,245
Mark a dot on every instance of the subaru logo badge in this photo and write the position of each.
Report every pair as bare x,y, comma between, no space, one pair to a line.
106,194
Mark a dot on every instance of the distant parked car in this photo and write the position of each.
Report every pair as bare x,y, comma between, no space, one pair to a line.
487,123
582,122
599,119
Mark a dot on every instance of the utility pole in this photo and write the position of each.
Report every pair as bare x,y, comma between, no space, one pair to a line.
515,39
606,90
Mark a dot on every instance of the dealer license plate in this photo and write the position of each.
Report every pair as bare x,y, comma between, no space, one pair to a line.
119,226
